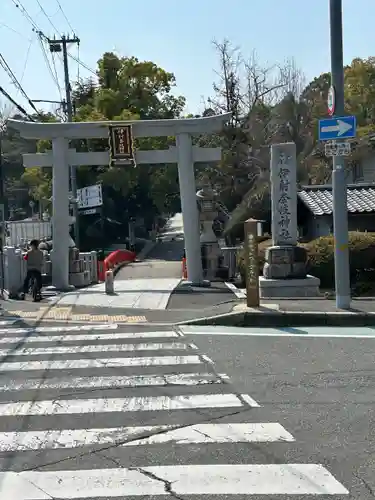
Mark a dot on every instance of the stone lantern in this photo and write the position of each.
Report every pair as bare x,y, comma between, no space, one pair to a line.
210,249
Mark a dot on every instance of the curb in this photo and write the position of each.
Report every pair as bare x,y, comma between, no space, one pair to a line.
285,319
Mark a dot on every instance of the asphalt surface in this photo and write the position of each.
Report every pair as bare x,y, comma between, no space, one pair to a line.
321,389
164,261
76,395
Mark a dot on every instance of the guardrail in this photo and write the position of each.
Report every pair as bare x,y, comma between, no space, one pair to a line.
230,260
115,260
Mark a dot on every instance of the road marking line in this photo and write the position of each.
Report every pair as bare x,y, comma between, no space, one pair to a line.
250,401
9,321
184,379
82,337
76,364
109,405
58,329
64,315
186,480
306,332
160,434
240,294
78,349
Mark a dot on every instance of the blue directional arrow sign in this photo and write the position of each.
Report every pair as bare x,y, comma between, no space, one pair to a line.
337,128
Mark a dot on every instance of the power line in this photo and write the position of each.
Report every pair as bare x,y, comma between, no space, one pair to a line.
48,64
46,15
55,71
14,31
18,106
66,19
76,59
36,28
26,60
24,12
7,69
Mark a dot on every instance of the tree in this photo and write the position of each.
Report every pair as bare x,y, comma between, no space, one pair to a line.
263,102
360,92
129,89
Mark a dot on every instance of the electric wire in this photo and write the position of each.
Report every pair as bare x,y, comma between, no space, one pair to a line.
24,12
26,60
14,31
48,64
24,68
65,17
13,77
76,59
15,103
47,16
45,38
56,75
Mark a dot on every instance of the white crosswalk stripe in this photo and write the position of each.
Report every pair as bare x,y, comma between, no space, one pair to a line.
93,412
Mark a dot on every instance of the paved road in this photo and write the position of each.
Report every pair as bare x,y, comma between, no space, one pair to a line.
317,382
164,260
131,412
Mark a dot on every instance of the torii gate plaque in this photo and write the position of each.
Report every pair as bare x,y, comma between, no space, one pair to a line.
184,154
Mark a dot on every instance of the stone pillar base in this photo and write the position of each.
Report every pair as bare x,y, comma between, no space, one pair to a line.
289,288
285,262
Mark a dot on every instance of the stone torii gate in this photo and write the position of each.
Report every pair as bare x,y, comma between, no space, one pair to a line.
61,157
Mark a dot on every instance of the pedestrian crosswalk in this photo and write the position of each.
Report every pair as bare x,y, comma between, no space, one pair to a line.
102,411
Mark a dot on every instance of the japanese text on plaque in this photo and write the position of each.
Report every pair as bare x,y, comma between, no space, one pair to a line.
284,198
252,271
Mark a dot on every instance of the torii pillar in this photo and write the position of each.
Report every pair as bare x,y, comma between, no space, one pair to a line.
184,154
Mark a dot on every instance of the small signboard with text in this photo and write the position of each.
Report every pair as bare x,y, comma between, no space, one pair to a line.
90,197
121,145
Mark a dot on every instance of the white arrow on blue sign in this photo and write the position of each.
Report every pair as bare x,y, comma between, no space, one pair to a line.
342,127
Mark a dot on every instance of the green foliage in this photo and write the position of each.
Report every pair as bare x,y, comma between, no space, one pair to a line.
361,252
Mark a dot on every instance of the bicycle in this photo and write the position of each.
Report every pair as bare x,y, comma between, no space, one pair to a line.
34,289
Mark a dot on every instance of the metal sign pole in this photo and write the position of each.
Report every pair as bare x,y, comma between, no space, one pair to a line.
339,186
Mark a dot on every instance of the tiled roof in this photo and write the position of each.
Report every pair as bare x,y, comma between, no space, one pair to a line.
318,199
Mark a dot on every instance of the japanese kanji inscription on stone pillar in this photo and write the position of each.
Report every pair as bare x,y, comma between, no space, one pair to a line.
284,194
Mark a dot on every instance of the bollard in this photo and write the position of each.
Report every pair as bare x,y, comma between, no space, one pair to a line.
109,282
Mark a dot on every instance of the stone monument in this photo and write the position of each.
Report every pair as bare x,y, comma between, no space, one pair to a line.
285,269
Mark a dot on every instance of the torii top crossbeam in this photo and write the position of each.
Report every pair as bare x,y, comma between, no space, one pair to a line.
140,128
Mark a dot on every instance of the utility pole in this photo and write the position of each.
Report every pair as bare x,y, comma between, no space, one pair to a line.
58,46
2,214
339,185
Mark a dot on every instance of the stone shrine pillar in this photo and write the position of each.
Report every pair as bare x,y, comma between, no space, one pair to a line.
60,214
285,269
190,216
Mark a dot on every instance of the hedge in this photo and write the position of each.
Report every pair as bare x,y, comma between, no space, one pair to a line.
321,259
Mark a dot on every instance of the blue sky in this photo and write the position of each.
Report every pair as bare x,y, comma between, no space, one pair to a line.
178,36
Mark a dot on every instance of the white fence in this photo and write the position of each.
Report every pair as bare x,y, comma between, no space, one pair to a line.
20,232
15,268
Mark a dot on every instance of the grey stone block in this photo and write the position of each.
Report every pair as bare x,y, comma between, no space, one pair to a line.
285,262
